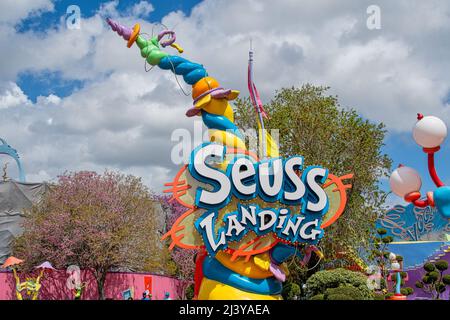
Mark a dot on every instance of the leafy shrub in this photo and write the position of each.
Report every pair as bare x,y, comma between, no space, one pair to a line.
426,279
434,281
433,275
441,265
429,267
378,296
343,293
388,295
387,239
406,291
383,283
190,292
291,290
317,297
339,297
326,279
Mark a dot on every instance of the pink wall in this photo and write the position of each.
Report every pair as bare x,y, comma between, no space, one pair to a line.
54,286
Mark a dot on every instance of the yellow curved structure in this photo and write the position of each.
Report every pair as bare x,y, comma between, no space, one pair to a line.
213,290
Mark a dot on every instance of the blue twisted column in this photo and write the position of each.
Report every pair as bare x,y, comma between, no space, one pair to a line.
6,149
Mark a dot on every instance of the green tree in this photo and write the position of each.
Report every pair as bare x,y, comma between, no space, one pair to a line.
380,255
95,221
311,123
434,281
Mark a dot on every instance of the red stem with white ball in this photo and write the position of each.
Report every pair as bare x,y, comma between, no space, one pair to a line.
429,132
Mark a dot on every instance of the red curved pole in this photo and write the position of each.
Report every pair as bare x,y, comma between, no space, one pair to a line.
421,203
414,198
431,168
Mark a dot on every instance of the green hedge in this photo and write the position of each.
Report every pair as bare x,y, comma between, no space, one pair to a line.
378,296
353,284
343,293
291,290
406,291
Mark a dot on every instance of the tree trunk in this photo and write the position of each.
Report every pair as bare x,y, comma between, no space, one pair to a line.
186,284
101,286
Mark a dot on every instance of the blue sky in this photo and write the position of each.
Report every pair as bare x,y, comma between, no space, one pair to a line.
89,8
45,83
388,75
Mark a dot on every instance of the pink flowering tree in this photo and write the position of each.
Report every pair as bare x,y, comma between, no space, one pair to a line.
95,221
184,259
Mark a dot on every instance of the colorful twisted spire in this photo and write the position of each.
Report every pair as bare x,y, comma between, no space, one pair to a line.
259,277
210,100
121,30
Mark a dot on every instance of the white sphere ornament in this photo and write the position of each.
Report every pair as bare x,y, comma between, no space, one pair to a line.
405,180
429,131
395,266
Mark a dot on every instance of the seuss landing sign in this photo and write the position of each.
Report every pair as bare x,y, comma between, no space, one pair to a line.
274,181
243,205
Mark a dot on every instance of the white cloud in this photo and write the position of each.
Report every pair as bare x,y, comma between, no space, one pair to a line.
12,11
123,117
49,100
142,9
42,175
112,124
11,96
